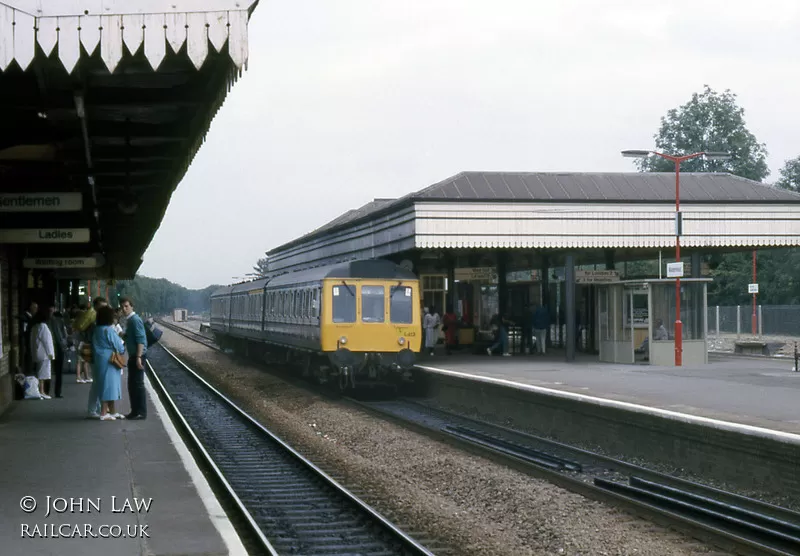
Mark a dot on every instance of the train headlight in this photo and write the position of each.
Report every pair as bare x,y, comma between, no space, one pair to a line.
401,341
343,340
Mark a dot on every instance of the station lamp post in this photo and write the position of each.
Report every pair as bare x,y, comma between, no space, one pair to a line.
708,155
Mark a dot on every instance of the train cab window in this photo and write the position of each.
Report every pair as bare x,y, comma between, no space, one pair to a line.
344,303
373,303
401,306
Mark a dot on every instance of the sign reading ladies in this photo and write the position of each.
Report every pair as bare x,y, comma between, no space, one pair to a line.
45,235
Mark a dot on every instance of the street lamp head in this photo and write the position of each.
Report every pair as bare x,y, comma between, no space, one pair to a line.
636,154
711,155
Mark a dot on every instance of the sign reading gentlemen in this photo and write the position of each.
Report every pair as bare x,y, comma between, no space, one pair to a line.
40,202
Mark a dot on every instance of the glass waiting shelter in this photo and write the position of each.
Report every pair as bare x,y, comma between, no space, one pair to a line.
637,321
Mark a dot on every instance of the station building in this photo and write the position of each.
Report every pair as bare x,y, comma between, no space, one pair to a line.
484,243
104,105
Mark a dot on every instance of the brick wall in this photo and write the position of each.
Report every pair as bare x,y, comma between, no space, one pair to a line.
739,459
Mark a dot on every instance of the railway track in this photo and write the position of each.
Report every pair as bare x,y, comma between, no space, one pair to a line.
735,523
192,335
290,505
730,521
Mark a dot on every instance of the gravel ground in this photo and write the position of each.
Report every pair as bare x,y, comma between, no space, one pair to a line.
433,491
783,345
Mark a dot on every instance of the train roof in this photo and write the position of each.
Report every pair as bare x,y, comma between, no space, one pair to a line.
224,290
252,285
373,268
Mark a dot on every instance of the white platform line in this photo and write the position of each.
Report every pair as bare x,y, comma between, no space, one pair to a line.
213,507
780,436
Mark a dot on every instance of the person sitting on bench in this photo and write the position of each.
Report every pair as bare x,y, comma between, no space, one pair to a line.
659,334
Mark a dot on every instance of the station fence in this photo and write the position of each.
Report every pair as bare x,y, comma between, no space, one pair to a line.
772,320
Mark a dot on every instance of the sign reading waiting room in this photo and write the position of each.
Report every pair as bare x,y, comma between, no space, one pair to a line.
45,235
62,262
40,202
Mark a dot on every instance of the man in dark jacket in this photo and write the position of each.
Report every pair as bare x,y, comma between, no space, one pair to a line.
25,335
60,342
136,347
541,322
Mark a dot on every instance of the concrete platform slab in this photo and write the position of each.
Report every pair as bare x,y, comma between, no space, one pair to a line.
85,471
757,392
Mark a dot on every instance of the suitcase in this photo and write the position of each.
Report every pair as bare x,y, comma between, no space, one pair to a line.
71,361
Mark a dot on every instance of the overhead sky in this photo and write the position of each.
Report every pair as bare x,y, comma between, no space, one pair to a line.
349,100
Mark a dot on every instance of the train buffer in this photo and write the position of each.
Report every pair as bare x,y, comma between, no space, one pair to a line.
751,347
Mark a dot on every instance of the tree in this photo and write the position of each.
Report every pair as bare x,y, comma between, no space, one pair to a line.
710,121
790,175
261,266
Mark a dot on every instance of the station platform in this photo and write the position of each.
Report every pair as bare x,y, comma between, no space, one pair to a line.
49,450
759,392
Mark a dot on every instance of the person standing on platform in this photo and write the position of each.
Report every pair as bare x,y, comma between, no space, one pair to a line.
43,351
25,333
136,346
431,323
105,342
450,327
59,332
541,322
93,405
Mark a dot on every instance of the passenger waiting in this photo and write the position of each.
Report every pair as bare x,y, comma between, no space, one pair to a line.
42,350
660,334
501,337
541,323
431,323
105,342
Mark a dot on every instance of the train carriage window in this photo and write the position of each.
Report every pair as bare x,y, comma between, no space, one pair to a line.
315,303
306,303
373,303
402,304
344,303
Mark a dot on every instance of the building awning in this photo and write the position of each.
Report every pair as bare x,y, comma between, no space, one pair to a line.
109,99
71,26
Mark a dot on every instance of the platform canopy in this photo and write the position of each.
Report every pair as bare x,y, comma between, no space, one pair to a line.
556,211
109,100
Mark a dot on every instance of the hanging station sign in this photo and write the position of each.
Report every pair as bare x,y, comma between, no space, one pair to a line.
476,274
63,262
44,235
40,202
596,276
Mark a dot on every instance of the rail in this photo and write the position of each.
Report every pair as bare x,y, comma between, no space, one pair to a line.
291,505
185,332
737,523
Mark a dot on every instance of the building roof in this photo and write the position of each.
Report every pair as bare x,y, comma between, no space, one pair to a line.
110,99
570,187
602,187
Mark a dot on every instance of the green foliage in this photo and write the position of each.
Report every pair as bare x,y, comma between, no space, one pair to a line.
790,175
160,296
260,269
777,278
713,121
710,121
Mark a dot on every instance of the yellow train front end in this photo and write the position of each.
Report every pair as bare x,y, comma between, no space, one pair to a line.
371,326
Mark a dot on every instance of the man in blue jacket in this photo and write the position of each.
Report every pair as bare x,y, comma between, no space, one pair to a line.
541,322
136,347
